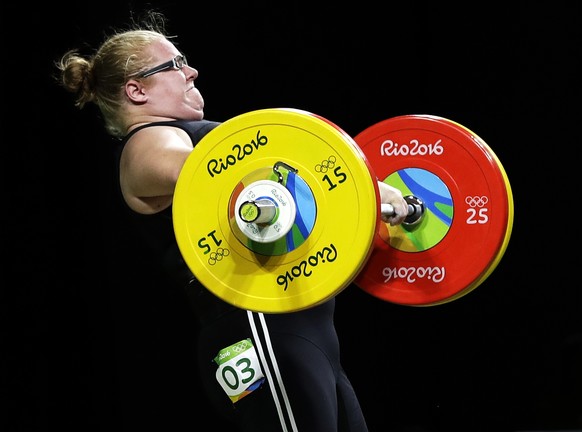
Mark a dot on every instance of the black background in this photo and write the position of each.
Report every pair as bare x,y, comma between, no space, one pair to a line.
92,342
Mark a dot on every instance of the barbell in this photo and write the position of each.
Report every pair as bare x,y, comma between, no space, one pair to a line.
278,210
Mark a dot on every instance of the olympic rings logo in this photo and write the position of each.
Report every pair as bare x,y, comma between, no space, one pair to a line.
241,346
476,201
325,165
218,255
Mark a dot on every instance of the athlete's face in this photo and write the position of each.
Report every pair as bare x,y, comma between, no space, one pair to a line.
171,91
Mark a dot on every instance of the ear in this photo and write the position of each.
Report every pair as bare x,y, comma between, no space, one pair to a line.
135,91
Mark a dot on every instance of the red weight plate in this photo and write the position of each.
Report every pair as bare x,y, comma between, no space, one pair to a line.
468,212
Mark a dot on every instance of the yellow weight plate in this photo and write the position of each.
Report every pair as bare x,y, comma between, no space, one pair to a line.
245,149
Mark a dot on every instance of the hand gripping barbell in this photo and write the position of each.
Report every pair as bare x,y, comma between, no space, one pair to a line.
278,210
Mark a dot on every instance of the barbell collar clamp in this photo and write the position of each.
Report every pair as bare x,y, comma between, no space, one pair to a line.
265,211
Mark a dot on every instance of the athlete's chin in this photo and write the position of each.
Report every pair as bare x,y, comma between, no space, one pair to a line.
198,113
196,106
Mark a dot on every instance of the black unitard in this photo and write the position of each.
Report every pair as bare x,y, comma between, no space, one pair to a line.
295,378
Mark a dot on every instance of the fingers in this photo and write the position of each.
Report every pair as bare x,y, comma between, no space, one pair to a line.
391,195
399,214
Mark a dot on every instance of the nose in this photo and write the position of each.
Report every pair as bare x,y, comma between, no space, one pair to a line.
191,72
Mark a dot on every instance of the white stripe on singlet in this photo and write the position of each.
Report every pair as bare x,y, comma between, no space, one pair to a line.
272,382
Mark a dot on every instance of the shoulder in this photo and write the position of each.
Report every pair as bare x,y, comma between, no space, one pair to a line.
197,129
160,137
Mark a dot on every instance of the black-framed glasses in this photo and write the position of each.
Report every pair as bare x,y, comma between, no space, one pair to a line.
176,63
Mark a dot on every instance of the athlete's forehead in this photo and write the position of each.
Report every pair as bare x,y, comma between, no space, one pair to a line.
162,49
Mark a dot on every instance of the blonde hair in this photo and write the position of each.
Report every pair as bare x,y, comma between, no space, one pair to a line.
101,77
